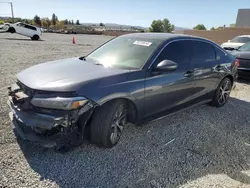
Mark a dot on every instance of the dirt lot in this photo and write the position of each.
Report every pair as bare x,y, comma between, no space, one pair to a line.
201,147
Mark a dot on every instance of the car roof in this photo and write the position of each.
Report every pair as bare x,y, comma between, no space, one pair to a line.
161,36
26,24
244,36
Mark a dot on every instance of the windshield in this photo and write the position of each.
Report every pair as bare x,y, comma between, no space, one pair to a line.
241,39
125,52
245,47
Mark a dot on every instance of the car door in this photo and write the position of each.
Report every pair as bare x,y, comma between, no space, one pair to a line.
164,90
20,28
207,62
29,30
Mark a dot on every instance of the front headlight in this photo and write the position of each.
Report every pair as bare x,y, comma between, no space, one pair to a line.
59,102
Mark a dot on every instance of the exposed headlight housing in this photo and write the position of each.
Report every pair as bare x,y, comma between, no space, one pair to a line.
61,103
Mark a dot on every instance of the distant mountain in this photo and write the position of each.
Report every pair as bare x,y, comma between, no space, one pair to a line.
180,28
114,25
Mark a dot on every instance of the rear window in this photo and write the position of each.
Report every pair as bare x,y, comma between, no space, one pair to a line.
241,39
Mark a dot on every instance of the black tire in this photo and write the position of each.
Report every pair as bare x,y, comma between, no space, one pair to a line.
105,130
12,30
35,37
222,93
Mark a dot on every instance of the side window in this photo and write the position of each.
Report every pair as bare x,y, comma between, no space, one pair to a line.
30,27
219,54
20,25
178,52
203,52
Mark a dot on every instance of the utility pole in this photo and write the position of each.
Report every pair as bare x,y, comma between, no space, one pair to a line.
12,12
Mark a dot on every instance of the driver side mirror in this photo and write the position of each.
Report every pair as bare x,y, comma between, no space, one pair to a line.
166,66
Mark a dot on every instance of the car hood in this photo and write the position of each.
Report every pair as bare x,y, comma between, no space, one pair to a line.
231,45
64,75
241,54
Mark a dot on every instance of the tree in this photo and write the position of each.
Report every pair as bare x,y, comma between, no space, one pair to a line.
26,21
45,22
37,20
72,22
18,20
161,26
219,28
66,22
48,22
101,24
77,22
157,26
167,26
54,19
200,27
212,29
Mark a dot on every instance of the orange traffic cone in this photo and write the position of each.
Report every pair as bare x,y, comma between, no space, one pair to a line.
73,40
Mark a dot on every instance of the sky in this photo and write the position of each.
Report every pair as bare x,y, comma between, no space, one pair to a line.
181,13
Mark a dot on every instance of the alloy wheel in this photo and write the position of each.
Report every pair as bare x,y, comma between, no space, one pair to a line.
224,93
117,126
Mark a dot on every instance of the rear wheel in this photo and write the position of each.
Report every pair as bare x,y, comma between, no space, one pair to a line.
35,37
222,93
108,123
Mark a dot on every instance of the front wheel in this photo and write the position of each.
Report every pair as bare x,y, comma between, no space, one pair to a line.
108,123
222,93
12,30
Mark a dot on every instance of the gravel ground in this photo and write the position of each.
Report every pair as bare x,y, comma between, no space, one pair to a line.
201,147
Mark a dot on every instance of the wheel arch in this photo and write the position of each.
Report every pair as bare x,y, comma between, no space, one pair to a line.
130,100
230,77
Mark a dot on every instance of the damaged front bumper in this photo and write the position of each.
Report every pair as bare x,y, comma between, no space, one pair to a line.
46,127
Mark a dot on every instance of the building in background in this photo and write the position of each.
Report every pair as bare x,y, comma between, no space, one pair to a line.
243,18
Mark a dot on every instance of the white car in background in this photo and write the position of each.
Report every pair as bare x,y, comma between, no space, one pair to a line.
236,42
25,29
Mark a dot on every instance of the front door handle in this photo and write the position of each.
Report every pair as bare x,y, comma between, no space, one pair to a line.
189,73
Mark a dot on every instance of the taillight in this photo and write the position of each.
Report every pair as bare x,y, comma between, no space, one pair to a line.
236,63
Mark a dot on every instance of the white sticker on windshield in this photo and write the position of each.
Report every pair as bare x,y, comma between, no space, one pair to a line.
142,43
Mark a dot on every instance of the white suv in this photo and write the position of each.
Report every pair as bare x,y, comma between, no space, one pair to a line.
25,29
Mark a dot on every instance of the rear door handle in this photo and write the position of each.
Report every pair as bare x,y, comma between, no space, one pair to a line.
189,73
